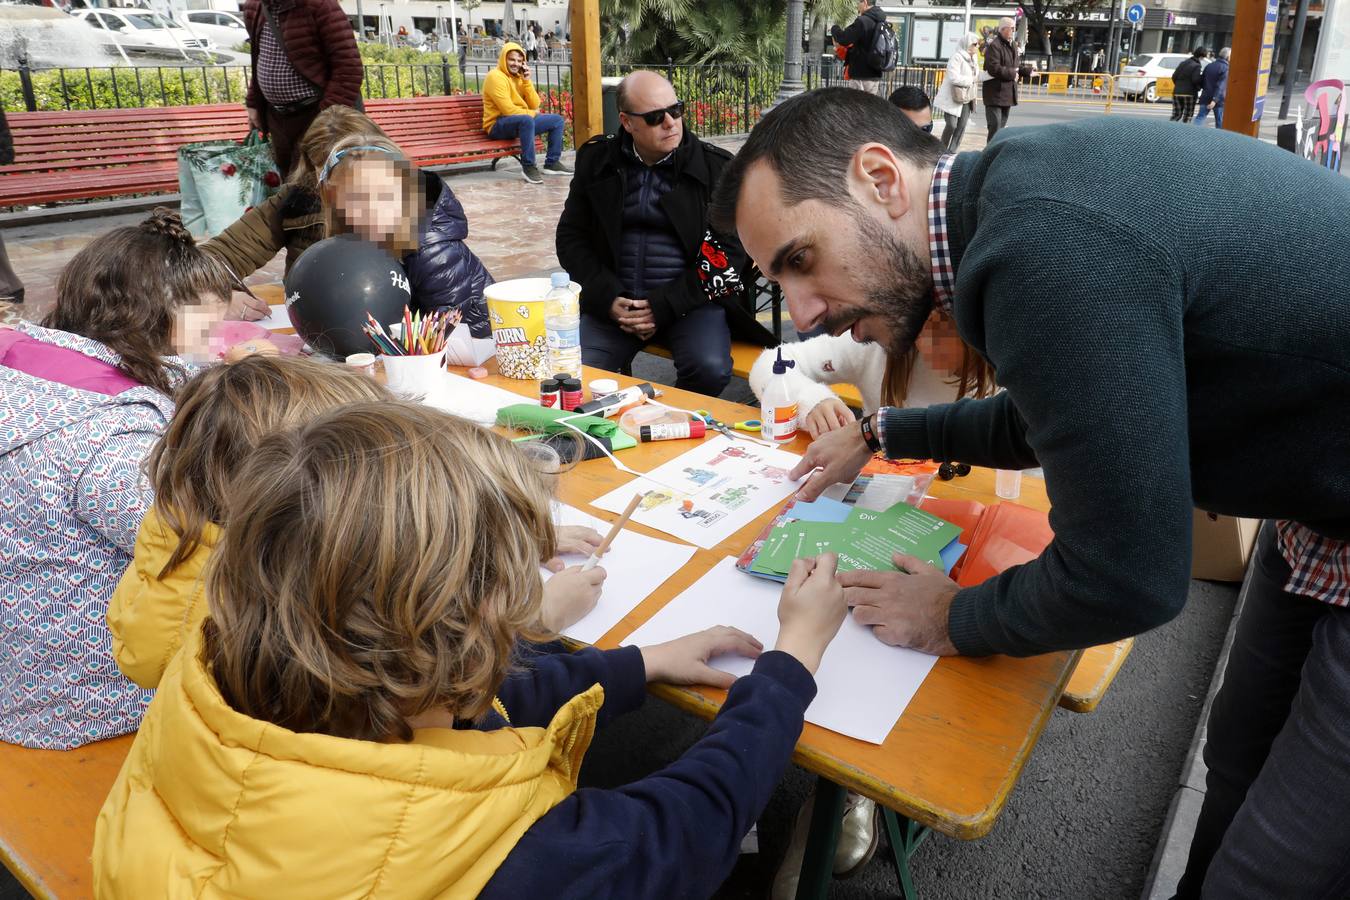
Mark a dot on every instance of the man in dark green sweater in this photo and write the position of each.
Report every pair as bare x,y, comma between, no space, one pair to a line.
1145,371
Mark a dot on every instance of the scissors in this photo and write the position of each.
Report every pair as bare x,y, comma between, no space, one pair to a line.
751,425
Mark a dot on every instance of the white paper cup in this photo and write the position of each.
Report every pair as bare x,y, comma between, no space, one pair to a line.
363,361
414,376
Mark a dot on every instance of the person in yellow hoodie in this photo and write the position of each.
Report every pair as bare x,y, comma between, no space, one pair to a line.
360,716
511,110
223,412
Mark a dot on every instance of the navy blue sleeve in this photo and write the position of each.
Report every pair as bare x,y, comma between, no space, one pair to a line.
533,693
989,432
444,272
675,833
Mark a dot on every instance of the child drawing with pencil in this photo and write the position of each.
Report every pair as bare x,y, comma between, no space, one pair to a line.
222,413
361,678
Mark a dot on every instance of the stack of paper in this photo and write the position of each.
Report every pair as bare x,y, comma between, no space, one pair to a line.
862,538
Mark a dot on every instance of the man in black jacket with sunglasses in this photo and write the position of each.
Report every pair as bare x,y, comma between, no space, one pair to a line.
634,235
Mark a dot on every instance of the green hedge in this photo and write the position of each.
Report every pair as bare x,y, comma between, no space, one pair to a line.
112,88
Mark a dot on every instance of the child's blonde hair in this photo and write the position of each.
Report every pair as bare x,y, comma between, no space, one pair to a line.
380,562
222,413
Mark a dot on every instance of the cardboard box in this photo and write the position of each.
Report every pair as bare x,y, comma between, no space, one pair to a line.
1221,546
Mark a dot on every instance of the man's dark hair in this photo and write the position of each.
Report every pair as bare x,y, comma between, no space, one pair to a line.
911,98
1199,52
810,141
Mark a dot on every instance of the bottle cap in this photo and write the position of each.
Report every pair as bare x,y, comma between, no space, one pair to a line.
602,386
560,279
780,365
571,384
549,386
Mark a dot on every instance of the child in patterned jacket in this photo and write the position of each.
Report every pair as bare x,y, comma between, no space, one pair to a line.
82,400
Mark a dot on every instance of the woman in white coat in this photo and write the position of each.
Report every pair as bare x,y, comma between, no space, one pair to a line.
956,97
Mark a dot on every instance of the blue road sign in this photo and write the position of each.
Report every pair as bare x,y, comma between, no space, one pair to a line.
1135,13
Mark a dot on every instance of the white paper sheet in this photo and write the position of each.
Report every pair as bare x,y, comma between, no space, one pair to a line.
635,565
727,483
473,400
276,320
863,685
463,349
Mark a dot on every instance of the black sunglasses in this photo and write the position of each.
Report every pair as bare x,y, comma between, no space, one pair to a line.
657,116
928,129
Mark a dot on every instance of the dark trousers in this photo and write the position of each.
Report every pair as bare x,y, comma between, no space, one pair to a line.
1274,821
285,132
11,288
954,128
996,117
699,342
1183,107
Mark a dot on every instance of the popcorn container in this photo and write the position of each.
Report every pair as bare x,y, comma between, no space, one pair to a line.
516,311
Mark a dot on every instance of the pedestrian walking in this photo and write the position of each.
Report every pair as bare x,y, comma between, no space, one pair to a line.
1000,91
1215,90
956,96
1186,83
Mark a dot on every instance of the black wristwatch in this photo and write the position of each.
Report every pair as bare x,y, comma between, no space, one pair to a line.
869,434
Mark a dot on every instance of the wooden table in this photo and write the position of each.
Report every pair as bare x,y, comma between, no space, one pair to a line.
949,763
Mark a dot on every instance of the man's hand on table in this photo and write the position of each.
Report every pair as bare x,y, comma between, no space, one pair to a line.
634,316
840,456
906,608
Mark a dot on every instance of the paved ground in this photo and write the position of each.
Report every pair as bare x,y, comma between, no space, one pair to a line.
1085,818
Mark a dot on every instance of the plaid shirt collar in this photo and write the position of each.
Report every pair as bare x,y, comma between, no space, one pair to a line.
944,272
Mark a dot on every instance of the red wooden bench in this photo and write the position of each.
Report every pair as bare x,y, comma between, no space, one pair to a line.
87,154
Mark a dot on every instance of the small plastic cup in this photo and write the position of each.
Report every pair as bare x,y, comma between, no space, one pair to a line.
363,361
414,376
1008,483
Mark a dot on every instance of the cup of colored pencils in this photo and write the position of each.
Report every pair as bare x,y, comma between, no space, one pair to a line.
413,351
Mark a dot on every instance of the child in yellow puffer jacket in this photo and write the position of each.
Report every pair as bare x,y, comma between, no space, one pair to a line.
222,414
360,716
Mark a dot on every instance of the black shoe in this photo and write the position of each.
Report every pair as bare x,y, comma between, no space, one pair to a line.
531,174
556,168
17,298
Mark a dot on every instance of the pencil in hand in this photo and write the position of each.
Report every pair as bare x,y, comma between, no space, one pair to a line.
600,551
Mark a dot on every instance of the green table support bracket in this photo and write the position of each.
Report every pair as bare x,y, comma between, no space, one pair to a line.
904,836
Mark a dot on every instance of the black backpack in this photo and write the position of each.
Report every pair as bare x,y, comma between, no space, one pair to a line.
884,52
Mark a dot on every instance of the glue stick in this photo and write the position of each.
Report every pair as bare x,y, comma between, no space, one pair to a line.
613,404
670,431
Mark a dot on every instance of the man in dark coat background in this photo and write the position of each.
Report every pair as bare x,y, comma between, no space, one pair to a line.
858,37
1215,89
1000,91
634,235
304,61
1186,81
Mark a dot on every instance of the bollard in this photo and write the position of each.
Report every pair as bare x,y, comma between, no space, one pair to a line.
26,84
445,73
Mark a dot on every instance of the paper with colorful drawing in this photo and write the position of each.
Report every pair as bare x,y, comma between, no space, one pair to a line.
706,495
862,685
635,565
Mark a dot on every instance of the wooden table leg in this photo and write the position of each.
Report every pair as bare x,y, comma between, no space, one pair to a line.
905,837
818,860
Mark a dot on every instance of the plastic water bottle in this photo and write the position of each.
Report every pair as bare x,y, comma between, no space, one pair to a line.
777,410
562,321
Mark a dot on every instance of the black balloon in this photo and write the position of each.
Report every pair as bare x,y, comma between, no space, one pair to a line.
334,284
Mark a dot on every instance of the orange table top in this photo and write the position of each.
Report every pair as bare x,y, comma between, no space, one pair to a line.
950,762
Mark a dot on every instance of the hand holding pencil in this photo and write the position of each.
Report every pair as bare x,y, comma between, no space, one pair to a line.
613,533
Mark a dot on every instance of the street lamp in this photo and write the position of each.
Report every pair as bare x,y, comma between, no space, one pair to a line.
792,59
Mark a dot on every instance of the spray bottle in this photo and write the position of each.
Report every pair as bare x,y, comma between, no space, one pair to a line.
777,410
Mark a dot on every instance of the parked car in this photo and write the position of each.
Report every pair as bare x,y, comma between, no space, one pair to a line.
224,29
143,31
1139,79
